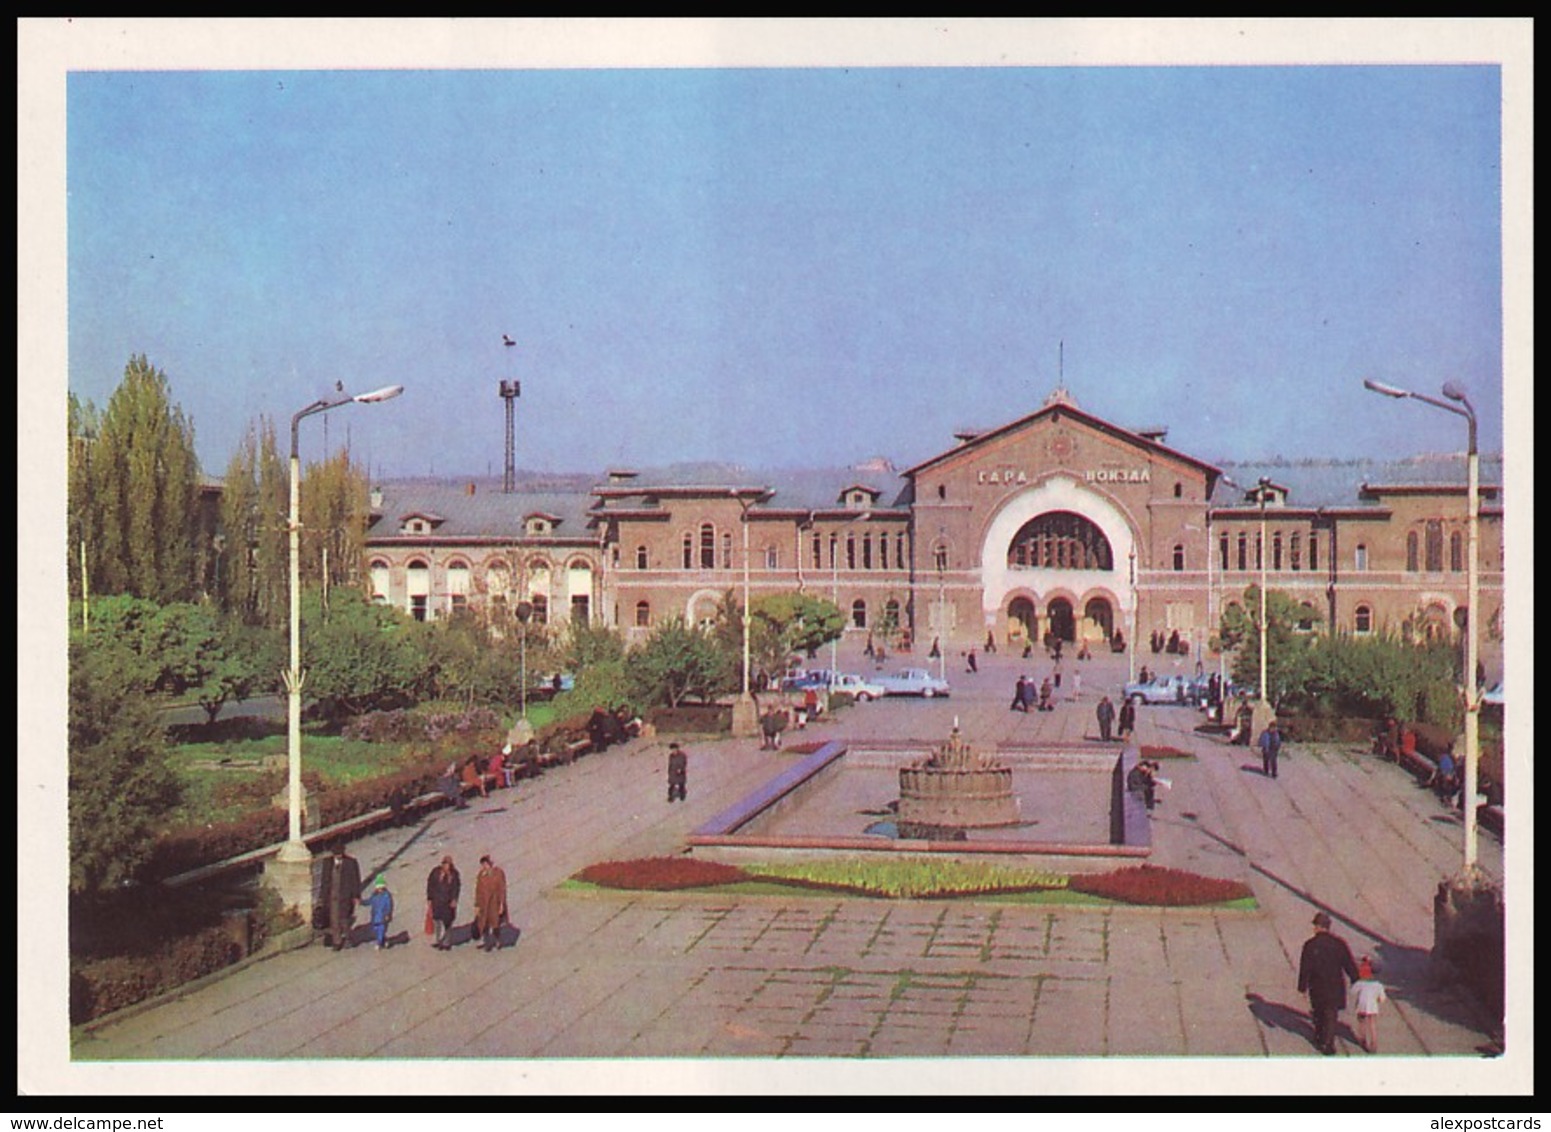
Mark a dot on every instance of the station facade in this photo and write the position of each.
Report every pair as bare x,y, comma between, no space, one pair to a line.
1056,523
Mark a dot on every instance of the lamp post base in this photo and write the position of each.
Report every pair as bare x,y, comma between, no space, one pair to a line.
1260,715
745,716
289,875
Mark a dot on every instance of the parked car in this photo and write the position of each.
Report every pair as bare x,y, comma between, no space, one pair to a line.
548,687
859,687
802,681
1177,689
912,682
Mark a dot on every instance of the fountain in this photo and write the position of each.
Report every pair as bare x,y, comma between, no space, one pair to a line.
954,789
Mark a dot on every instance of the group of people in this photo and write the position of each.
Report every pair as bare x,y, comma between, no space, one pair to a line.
1169,643
341,896
1108,717
1027,695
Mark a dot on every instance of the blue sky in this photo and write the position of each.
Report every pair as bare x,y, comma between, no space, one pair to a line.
786,267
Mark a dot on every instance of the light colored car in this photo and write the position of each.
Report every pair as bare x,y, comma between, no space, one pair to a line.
858,687
912,682
1165,690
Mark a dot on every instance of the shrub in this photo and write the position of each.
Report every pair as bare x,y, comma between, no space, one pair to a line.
661,874
691,719
101,986
190,847
1165,753
1151,884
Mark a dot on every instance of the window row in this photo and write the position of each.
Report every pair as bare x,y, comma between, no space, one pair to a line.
1425,552
859,614
459,585
1287,552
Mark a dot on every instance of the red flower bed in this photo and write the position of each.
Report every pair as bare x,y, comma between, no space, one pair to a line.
1150,884
661,874
1164,753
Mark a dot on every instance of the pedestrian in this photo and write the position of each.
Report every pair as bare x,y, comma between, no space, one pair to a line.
1323,968
1044,694
341,893
1106,716
1139,780
441,901
1058,676
1270,748
1028,649
1077,685
678,771
381,904
936,649
868,651
1369,993
1017,695
1030,693
990,642
973,667
1127,719
489,904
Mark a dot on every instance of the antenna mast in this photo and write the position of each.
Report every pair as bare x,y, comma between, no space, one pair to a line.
510,391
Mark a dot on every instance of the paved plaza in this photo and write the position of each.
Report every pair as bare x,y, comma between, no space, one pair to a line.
615,975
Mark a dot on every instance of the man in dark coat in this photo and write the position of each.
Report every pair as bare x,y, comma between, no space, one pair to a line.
1106,714
1017,695
441,897
1127,718
341,893
1270,748
1323,968
678,772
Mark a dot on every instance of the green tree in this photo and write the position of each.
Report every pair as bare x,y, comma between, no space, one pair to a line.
82,516
211,660
678,661
140,492
120,787
255,504
1288,644
589,644
334,513
358,656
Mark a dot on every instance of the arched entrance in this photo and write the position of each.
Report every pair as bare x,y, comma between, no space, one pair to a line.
1020,619
1063,625
1102,614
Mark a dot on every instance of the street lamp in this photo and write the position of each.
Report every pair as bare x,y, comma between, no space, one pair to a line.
1472,594
1131,652
294,858
745,716
834,596
1262,489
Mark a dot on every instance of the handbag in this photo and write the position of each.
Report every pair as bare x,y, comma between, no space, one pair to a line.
430,923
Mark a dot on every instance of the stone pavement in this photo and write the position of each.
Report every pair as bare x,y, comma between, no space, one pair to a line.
673,975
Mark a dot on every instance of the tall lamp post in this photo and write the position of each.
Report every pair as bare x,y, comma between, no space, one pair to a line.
834,592
1472,595
745,716
294,861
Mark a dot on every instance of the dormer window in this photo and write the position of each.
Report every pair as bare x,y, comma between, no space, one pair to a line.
539,524
419,523
858,496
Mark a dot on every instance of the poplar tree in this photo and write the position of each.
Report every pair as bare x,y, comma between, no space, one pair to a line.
142,492
81,516
334,514
254,508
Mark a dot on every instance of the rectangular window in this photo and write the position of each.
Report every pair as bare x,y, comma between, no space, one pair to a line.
1222,546
1243,551
1276,551
640,558
1295,550
1360,559
772,558
417,607
867,552
1260,553
1313,551
818,551
883,552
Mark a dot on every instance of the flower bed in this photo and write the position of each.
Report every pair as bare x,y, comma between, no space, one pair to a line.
1153,885
914,880
661,874
1165,753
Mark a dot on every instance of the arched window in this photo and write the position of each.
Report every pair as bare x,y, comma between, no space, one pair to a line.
834,551
1062,539
1260,552
883,552
1456,552
458,586
579,586
1179,556
707,546
1243,551
418,576
1222,549
1295,550
1360,558
850,551
380,575
1313,550
772,558
1412,557
1276,550
643,614
899,550
866,550
1179,490
891,612
859,613
689,551
1362,619
1434,546
640,558
942,491
818,551
940,556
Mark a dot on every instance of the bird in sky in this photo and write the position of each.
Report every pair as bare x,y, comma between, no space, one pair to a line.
506,341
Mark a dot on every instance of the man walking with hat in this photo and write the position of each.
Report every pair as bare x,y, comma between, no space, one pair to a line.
1323,968
678,772
1270,748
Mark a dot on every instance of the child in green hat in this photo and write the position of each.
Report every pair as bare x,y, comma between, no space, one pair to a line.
381,904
